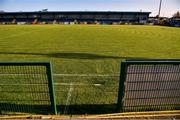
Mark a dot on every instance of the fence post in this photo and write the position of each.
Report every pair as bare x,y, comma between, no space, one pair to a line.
121,86
51,88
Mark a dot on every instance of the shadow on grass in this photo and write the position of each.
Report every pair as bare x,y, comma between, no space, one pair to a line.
10,109
87,109
71,55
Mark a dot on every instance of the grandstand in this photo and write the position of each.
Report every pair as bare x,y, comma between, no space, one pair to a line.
73,17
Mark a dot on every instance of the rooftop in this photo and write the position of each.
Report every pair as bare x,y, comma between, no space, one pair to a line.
74,12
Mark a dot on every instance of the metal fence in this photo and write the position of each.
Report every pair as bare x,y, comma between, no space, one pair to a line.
144,85
147,85
86,93
26,88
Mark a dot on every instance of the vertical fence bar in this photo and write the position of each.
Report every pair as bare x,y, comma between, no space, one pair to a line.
121,86
51,88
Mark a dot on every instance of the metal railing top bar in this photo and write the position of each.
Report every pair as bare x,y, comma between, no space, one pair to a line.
24,63
151,61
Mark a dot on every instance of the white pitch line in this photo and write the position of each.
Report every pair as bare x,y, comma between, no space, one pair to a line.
22,74
68,97
58,84
70,84
88,75
80,84
66,75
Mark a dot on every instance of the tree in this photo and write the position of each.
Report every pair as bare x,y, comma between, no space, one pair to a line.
177,15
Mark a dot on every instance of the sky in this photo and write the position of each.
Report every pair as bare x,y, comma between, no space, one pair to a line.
169,7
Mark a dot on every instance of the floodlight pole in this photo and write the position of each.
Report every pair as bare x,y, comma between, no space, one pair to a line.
159,13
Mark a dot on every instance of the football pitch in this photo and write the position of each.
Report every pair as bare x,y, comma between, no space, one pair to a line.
86,58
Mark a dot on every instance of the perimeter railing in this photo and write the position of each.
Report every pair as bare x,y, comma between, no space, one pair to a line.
147,85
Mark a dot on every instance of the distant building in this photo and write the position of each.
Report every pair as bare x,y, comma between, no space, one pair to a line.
164,21
2,11
101,17
153,20
158,20
174,22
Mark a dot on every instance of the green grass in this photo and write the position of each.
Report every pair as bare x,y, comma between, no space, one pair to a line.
87,49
